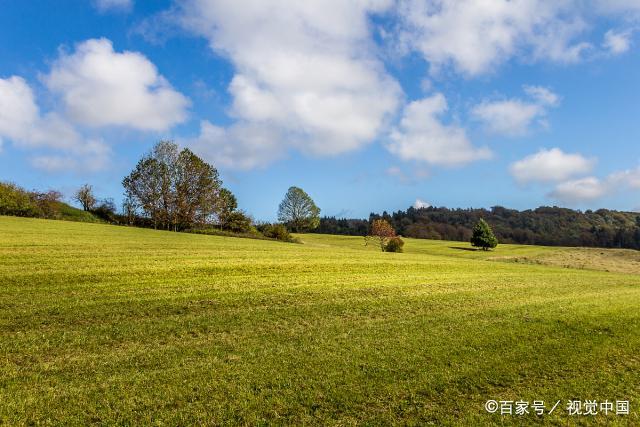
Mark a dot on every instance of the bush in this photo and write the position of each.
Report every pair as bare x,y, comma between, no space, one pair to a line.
17,202
394,244
276,231
106,210
48,203
237,222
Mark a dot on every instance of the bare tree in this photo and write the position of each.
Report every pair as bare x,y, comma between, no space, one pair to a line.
85,197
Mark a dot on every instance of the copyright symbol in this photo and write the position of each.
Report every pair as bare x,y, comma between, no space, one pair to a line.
491,406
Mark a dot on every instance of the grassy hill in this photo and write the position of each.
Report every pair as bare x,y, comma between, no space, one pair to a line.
69,213
114,325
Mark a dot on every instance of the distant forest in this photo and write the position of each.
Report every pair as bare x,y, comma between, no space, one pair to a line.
550,226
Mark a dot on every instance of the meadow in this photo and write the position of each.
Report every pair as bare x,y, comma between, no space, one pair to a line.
108,325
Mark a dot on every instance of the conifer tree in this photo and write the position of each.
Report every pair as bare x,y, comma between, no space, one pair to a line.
483,236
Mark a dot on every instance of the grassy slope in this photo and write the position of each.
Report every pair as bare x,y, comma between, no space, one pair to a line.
69,213
105,324
614,260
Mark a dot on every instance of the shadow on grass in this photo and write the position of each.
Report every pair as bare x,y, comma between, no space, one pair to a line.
463,248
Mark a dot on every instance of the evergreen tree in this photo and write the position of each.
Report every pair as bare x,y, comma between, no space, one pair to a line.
483,236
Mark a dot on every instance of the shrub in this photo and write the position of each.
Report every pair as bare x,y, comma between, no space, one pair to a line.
17,201
106,210
48,203
237,222
394,244
276,231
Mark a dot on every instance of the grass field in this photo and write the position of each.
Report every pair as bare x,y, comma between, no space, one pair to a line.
112,325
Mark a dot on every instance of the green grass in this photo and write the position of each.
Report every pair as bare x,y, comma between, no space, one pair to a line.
69,213
112,325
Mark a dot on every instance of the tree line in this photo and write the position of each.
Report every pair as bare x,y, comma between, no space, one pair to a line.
550,226
169,189
174,189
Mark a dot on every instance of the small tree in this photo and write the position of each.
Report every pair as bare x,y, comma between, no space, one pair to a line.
394,244
298,210
483,236
381,232
227,205
129,210
85,197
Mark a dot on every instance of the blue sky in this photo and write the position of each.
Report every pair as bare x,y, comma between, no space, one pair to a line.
368,105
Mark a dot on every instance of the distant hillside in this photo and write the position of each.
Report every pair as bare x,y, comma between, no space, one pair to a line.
551,226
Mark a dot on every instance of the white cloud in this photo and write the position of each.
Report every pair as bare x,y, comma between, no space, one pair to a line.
542,95
550,166
245,146
90,157
307,70
514,117
423,137
22,122
592,188
420,204
617,42
17,107
510,117
118,5
627,178
579,190
476,36
100,87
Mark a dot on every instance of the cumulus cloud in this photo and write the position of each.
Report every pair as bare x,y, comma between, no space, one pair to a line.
542,95
423,137
552,165
617,42
592,188
514,117
628,178
101,87
474,37
579,190
118,5
22,122
306,70
243,146
420,204
92,156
